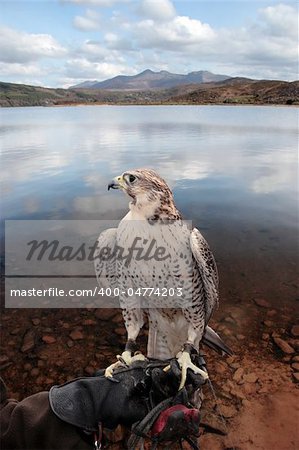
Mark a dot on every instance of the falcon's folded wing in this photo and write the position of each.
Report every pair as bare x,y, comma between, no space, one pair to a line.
105,259
208,270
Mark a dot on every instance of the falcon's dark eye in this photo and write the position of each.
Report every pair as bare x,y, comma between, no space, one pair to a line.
132,178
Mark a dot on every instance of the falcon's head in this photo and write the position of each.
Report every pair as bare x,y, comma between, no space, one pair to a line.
150,194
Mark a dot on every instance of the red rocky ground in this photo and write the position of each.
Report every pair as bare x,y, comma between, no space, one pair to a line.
256,388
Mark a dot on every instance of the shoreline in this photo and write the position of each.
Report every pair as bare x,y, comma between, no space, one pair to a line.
67,105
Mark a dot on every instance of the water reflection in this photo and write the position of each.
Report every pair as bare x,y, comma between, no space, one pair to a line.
233,169
57,159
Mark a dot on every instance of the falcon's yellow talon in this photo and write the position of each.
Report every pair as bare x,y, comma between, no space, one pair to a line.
125,359
109,369
185,363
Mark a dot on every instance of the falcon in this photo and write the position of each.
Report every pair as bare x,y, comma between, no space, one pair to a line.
175,284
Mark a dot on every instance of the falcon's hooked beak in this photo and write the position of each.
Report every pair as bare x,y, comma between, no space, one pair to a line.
116,183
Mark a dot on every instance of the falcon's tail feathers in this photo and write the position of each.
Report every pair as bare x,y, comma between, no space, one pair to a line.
214,341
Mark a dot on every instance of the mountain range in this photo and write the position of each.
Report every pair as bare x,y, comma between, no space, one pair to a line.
148,80
241,91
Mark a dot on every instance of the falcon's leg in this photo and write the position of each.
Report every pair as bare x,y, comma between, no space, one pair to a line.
133,321
184,358
185,363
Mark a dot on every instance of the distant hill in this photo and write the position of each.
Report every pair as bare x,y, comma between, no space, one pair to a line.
230,91
242,91
148,80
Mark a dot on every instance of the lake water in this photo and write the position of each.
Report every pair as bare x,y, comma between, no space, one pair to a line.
233,171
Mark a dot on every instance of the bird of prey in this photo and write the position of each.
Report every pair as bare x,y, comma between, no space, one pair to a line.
182,283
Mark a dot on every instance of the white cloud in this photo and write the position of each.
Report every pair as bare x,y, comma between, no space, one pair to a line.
157,37
91,21
265,49
281,175
81,68
12,69
113,41
103,3
20,47
280,20
261,49
94,51
156,9
177,34
91,50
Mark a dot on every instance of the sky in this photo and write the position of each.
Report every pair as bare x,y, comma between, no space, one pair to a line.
60,43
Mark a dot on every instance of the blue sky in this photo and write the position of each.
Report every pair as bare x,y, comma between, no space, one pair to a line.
59,43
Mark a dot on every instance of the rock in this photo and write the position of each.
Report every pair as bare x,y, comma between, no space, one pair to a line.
262,302
28,341
240,337
15,331
118,319
283,345
263,390
228,411
295,330
295,367
227,332
89,322
238,375
59,363
229,319
236,313
296,358
6,364
296,377
120,331
76,335
295,344
48,330
3,359
34,372
47,339
249,388
224,395
40,380
268,323
230,359
89,370
211,422
41,363
105,313
286,359
220,367
265,336
235,365
250,378
70,343
35,321
271,313
245,402
211,441
116,435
